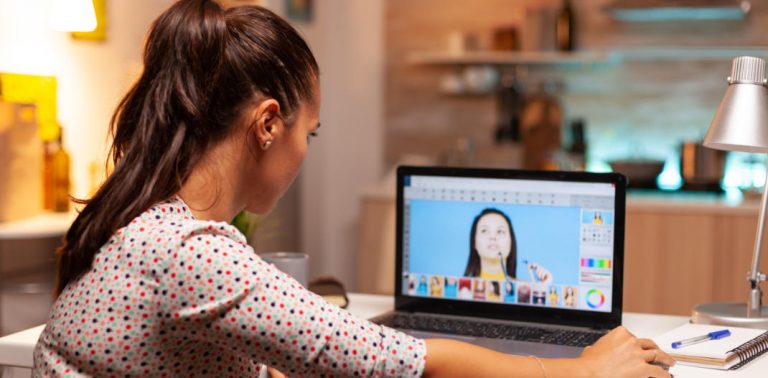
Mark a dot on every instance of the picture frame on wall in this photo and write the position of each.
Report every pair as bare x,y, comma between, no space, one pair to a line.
100,33
299,10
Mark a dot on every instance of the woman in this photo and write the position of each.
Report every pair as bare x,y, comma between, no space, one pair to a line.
509,291
465,288
153,281
436,286
494,291
451,287
553,296
569,299
478,292
422,290
493,249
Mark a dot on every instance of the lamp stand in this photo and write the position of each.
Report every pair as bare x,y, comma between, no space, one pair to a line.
752,314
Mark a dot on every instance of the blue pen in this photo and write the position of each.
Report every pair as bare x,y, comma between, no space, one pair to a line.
699,339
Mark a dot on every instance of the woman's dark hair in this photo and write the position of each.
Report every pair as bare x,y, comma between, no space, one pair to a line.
473,265
202,65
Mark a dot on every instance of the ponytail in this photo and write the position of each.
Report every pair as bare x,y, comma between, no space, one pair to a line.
202,63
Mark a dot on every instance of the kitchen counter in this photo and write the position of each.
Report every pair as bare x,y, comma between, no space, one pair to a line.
28,269
44,225
692,202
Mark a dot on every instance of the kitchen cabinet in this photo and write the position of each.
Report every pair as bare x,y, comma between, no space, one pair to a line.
680,250
678,254
28,268
376,245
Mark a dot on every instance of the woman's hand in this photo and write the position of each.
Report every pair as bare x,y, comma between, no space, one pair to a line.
621,354
539,273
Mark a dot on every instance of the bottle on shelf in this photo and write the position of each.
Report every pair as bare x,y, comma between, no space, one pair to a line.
578,150
506,150
56,181
565,27
509,104
540,128
49,149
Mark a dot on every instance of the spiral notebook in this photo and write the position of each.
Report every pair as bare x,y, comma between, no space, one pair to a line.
728,353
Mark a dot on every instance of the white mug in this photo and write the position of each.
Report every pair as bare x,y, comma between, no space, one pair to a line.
295,264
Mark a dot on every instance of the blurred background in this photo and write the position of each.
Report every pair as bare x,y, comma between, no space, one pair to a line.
598,85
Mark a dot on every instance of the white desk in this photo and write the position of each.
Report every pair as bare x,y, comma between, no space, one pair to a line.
16,349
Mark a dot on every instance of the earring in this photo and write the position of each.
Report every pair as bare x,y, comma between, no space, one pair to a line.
266,145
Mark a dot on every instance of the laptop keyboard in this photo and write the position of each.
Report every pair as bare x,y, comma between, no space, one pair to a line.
476,328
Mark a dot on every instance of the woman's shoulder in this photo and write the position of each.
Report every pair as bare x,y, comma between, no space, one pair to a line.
171,224
167,237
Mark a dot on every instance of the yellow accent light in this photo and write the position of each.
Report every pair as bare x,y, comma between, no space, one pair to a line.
38,90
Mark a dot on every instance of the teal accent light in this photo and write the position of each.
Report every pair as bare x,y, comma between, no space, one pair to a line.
679,14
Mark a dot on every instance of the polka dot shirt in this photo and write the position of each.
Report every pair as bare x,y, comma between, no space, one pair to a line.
170,295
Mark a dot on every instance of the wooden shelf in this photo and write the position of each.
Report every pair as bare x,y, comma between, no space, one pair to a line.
690,53
509,58
613,56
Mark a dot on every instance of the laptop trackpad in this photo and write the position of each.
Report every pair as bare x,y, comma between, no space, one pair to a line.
523,348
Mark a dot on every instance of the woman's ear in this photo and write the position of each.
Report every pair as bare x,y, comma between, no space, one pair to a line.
267,122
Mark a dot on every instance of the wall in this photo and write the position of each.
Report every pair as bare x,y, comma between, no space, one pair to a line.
347,38
641,106
91,76
319,214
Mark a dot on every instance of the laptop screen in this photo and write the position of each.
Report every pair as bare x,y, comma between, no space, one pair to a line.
516,241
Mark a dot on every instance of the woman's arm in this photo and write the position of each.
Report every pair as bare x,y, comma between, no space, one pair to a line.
222,293
617,354
451,358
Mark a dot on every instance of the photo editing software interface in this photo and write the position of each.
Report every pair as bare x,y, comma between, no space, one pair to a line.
510,241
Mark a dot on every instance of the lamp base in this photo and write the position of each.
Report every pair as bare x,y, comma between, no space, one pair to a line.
729,313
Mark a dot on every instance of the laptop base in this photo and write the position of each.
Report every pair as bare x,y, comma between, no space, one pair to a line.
522,348
520,338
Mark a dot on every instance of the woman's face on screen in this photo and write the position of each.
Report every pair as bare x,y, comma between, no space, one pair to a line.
492,237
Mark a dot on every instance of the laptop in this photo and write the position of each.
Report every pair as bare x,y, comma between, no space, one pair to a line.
522,262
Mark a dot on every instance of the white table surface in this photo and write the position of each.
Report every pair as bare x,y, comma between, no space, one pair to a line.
16,349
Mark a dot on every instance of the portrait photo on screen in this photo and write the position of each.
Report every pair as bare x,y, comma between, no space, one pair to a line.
597,217
496,241
451,287
465,288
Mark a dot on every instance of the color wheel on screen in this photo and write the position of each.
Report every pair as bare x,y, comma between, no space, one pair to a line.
595,298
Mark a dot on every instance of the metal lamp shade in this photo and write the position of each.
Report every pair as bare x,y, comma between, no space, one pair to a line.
741,121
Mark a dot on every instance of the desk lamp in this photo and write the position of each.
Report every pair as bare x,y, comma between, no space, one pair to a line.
741,124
